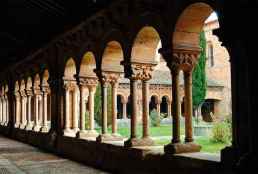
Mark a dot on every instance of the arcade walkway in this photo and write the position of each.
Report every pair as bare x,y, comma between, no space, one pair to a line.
19,158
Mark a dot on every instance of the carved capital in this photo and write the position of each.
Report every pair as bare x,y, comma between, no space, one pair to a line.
88,81
185,59
69,85
142,71
110,77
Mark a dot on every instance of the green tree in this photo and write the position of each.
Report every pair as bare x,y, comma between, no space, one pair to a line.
98,105
199,76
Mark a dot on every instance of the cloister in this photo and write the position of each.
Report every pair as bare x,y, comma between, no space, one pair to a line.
45,97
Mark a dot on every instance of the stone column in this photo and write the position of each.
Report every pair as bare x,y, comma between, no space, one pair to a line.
1,111
36,112
169,109
29,124
145,108
40,109
124,109
188,107
104,107
92,88
23,111
67,109
176,105
114,107
7,110
158,108
83,102
44,127
75,110
17,110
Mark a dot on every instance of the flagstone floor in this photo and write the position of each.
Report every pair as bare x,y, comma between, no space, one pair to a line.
19,158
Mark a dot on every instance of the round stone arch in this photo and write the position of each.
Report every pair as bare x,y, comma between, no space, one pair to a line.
70,69
88,65
144,19
145,46
190,23
112,57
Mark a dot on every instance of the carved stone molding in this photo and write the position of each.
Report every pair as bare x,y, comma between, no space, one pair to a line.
70,85
142,71
88,81
185,58
110,77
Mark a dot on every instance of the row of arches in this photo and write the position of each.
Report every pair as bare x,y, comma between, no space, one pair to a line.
33,103
104,68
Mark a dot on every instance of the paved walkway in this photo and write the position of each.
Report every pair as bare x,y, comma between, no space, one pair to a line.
19,158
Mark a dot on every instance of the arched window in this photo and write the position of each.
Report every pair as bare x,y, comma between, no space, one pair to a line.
210,55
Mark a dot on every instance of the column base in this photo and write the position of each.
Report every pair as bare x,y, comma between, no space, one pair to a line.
134,142
36,128
176,148
22,126
85,134
106,138
29,127
69,133
44,129
17,125
6,123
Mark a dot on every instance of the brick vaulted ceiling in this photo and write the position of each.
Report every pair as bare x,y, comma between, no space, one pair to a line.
27,25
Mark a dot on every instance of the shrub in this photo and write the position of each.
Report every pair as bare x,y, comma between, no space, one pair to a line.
155,120
221,132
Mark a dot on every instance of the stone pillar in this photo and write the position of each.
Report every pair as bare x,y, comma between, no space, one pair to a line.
40,109
92,88
134,113
188,106
29,123
114,107
75,110
169,109
83,102
67,109
17,110
145,109
1,111
23,111
158,108
7,110
104,107
44,127
36,112
176,106
124,109
140,72
4,110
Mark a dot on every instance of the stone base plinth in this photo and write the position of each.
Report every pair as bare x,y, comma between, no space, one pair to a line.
176,148
44,129
107,138
134,142
92,134
36,128
22,126
69,133
29,127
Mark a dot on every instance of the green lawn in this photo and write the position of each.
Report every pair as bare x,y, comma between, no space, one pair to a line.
165,134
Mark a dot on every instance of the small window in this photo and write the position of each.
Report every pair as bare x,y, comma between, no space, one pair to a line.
210,55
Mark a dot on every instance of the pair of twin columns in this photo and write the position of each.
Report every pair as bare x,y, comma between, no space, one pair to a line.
23,109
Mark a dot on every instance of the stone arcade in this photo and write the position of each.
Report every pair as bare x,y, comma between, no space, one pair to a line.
45,96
